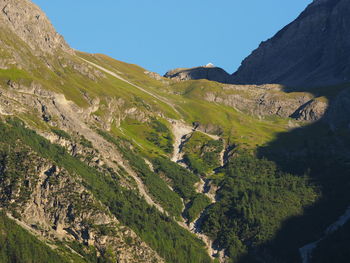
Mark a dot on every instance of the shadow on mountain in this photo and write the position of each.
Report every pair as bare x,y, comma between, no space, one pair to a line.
207,72
321,152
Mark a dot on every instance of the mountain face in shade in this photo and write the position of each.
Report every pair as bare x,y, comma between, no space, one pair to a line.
208,72
311,51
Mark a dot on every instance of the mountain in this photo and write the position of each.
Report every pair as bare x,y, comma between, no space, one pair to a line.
104,161
31,25
208,72
310,51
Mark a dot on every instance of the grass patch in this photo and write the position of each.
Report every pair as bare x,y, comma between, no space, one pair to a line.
61,133
154,135
202,153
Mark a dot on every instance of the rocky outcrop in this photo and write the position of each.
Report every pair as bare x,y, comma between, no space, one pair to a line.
313,110
153,75
55,205
208,128
31,25
311,51
270,100
208,72
29,42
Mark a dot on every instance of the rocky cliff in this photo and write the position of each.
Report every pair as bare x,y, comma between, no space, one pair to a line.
311,51
270,100
29,23
56,206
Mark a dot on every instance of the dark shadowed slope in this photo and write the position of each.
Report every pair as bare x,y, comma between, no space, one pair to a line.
311,51
208,72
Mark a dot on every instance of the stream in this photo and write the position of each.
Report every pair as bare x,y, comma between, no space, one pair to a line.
182,132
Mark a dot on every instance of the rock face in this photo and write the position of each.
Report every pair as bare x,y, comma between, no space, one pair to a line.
56,206
28,22
208,72
311,51
338,114
270,100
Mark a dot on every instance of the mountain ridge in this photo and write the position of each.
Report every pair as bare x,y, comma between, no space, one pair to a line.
304,53
309,52
105,162
32,26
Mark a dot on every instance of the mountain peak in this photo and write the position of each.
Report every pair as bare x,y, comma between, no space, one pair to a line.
30,24
311,51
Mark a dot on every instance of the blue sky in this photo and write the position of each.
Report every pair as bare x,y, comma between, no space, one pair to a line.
161,34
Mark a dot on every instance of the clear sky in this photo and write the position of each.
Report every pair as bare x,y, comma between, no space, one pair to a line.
161,34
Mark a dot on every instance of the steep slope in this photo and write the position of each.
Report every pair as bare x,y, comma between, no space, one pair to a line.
38,72
29,23
49,199
311,51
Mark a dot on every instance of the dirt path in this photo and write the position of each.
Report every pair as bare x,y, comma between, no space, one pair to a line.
160,98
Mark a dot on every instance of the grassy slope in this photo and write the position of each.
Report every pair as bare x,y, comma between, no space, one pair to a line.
153,141
131,72
240,128
135,75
